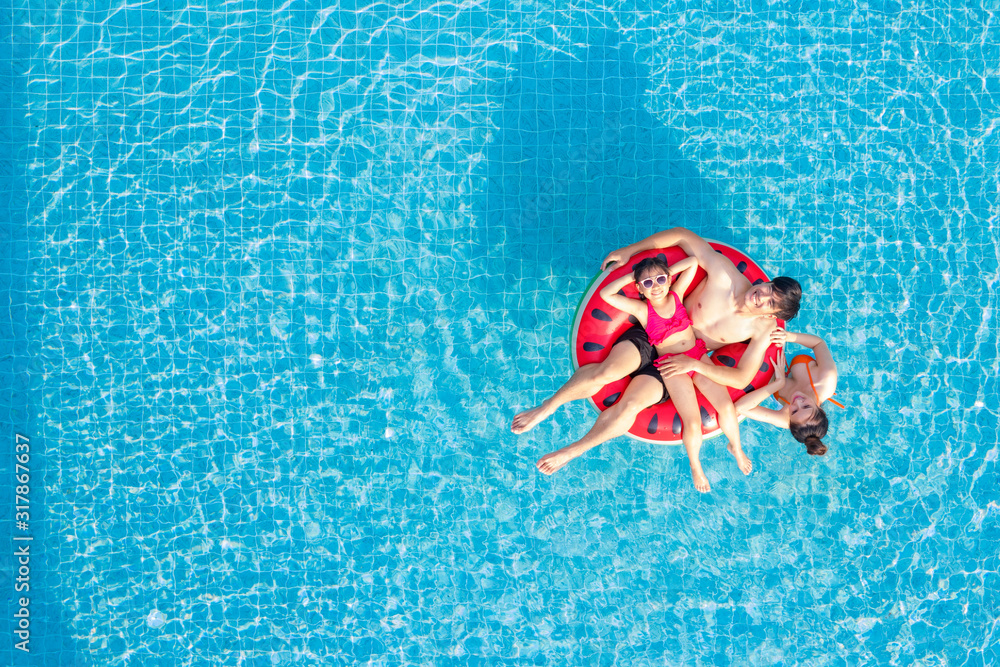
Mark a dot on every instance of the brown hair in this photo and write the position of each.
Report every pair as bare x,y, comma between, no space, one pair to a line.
810,433
788,296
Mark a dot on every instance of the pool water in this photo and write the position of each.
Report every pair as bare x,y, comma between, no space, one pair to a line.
280,275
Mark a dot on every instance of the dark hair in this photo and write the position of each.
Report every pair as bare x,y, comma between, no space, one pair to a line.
788,296
811,432
646,264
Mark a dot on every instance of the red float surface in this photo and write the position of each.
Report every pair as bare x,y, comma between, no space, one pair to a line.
597,325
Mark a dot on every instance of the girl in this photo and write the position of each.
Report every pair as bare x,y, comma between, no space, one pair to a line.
808,383
668,332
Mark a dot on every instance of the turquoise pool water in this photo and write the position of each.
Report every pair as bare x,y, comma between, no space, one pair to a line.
280,274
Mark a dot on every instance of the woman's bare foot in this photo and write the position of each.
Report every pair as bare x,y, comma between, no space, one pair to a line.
700,481
553,461
527,420
741,459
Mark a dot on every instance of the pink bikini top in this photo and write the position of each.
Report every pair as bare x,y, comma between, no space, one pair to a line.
658,329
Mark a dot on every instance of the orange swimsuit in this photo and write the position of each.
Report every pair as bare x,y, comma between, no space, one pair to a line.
805,359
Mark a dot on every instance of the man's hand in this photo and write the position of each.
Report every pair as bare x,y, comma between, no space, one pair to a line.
614,260
676,365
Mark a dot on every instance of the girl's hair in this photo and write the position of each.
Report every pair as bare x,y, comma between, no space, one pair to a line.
645,265
649,263
811,432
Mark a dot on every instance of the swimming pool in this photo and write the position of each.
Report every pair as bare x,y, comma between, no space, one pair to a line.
281,273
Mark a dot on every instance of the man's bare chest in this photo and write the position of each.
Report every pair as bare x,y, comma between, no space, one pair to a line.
720,329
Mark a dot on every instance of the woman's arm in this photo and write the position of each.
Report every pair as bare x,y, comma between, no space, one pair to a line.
824,358
766,415
826,373
631,306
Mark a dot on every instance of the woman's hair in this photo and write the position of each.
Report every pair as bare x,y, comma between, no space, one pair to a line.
645,265
811,432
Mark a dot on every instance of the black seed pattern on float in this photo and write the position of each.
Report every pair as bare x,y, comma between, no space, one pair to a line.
653,423
600,315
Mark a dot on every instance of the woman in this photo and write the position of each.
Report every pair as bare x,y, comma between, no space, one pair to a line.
808,383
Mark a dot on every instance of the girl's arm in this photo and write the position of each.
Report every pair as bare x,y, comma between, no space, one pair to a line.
631,306
687,268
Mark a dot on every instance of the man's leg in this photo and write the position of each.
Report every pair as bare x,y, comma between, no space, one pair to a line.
719,397
586,382
641,392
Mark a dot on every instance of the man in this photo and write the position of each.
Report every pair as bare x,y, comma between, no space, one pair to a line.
725,308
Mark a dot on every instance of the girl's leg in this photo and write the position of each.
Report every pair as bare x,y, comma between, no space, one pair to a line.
719,397
641,392
586,382
681,390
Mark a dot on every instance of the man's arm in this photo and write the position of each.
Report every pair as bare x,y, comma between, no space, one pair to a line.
738,377
688,241
749,405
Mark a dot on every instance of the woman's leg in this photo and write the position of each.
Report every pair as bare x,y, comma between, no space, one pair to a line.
586,381
641,392
681,390
718,396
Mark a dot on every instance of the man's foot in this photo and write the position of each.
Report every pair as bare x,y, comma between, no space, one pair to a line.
741,459
700,481
527,420
553,461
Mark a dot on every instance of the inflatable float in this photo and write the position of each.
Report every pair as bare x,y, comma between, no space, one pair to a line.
597,325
